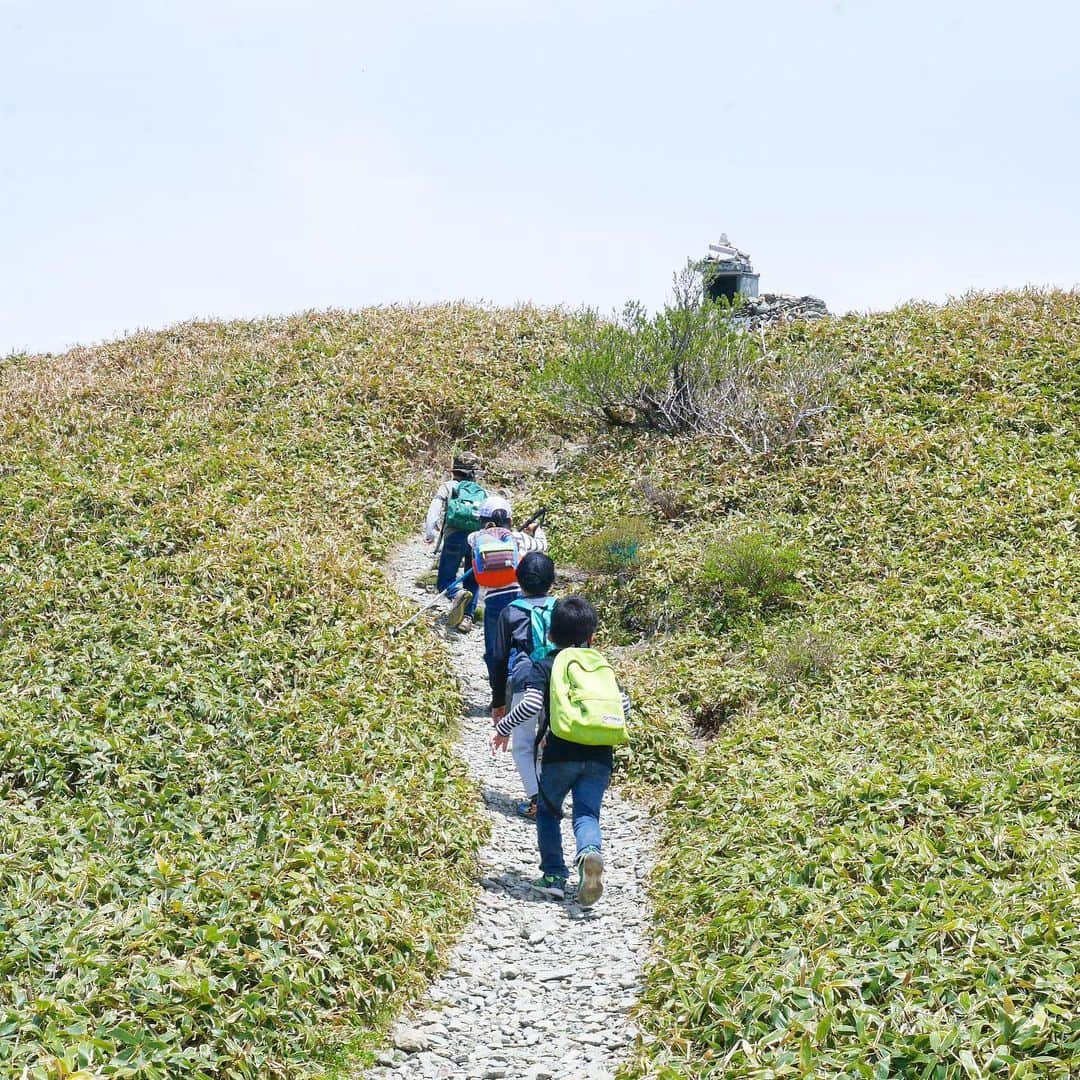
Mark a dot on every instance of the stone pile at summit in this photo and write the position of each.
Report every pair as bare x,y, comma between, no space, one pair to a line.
728,274
770,308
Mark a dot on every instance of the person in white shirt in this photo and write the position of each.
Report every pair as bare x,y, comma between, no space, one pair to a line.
455,542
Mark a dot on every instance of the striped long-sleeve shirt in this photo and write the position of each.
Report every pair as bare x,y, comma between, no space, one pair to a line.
534,702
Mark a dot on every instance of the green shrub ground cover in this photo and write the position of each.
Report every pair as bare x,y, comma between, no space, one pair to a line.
872,869
228,848
233,834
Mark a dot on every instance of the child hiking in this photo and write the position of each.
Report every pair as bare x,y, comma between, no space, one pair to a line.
451,517
521,639
496,549
586,717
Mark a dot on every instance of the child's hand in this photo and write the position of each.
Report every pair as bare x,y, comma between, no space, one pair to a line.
497,713
499,742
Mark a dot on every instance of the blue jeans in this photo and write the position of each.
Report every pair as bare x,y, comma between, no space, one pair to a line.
455,551
588,780
494,606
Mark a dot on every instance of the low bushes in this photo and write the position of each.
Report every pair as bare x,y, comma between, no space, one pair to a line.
798,657
614,548
750,570
688,369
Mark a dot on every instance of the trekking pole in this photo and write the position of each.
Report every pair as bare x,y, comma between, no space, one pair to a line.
537,519
428,607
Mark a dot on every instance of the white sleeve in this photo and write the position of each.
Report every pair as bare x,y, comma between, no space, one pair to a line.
433,522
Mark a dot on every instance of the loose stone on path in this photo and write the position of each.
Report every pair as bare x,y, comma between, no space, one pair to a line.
534,989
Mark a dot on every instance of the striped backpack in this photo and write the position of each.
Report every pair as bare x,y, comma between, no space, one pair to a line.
495,556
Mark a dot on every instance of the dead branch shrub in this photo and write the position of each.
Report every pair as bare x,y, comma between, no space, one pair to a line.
662,500
690,369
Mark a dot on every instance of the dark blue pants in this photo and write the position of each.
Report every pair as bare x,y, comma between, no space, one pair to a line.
494,606
455,552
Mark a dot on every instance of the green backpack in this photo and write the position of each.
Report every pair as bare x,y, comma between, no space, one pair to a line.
586,705
463,506
540,623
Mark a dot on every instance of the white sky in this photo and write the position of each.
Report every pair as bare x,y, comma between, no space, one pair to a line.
162,160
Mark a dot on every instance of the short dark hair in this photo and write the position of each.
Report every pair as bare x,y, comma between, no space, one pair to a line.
499,518
573,622
535,573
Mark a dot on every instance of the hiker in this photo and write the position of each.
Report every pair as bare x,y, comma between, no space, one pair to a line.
586,716
451,517
496,548
521,639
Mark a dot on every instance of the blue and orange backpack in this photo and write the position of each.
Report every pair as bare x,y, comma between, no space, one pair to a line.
495,556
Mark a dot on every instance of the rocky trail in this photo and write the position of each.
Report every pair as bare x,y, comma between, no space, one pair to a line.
534,988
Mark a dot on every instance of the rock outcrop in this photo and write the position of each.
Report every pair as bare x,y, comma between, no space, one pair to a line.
770,308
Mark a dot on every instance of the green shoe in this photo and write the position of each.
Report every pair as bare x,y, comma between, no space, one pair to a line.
550,885
590,877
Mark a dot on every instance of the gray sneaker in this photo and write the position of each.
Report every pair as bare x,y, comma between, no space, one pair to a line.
590,877
457,608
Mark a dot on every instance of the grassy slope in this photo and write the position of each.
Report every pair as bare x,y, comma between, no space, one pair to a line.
233,832
873,873
226,844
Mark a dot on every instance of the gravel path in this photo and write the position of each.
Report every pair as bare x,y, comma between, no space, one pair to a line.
534,988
